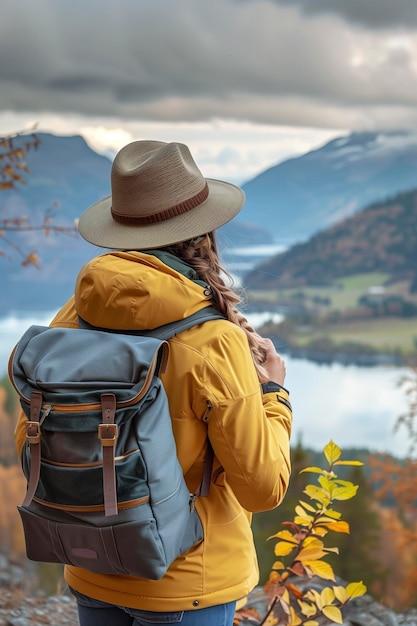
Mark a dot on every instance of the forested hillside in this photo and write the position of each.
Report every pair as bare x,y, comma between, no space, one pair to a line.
380,238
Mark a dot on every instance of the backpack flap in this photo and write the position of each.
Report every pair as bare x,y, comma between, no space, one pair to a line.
93,363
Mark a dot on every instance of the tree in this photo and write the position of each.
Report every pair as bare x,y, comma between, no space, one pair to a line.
396,480
14,149
300,549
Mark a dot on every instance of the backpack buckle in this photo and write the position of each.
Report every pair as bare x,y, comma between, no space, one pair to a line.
33,432
108,433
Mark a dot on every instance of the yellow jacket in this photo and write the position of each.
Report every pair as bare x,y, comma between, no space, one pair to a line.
249,431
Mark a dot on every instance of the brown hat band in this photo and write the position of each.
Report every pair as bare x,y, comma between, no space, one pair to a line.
162,216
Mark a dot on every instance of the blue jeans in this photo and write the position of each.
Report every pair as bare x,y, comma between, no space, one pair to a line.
96,613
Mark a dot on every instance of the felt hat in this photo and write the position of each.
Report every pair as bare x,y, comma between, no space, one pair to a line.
159,197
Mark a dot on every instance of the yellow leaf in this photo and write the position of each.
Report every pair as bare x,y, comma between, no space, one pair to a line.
294,619
320,568
313,542
344,493
310,554
307,609
341,594
320,531
332,452
315,493
307,506
286,596
311,622
324,518
357,463
333,613
339,527
278,565
333,514
282,548
285,535
327,595
301,512
314,470
303,521
355,590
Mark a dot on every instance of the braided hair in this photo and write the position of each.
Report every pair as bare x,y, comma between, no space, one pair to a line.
202,255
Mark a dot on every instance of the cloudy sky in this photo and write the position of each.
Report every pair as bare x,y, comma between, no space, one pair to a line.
246,83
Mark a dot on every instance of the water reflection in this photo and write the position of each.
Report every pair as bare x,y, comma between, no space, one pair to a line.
354,406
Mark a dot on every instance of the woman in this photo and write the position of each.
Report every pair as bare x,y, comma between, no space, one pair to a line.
159,221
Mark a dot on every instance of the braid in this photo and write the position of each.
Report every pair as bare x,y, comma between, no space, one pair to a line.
201,254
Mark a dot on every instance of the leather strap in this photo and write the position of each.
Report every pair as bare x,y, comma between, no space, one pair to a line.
108,433
33,435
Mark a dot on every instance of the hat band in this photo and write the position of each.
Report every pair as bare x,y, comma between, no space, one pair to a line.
166,214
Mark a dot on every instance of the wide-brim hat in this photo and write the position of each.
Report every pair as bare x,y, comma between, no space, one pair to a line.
159,197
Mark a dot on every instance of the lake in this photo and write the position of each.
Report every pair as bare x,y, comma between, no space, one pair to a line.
354,406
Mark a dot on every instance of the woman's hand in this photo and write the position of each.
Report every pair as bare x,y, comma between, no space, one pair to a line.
274,364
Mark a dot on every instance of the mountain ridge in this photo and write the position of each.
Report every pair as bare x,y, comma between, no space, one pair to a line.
65,170
305,194
380,238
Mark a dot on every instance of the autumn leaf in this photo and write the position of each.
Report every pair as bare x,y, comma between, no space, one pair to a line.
339,527
355,590
356,463
282,548
307,608
333,613
284,535
320,568
332,452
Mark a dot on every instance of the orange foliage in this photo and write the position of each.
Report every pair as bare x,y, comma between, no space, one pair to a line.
12,490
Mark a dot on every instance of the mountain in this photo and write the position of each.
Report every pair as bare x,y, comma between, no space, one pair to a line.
303,195
381,238
286,203
66,171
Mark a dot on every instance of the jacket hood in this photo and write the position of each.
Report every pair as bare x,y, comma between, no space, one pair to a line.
138,291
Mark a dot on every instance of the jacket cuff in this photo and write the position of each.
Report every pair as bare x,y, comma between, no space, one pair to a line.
271,387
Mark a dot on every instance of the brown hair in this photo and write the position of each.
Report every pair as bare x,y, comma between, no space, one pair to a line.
202,255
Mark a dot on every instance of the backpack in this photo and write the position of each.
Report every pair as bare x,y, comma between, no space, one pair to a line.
106,491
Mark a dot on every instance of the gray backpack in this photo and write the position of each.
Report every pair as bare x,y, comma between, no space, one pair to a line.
105,489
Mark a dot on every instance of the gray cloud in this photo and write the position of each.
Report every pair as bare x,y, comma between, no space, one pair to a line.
374,14
193,60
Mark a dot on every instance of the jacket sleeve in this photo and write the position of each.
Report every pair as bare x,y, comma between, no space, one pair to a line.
249,431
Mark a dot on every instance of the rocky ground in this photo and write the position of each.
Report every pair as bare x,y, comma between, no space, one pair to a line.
20,606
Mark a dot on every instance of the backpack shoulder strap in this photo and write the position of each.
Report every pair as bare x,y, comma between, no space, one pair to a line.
173,328
166,330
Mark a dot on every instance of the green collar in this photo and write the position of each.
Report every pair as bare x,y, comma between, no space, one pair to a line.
178,265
